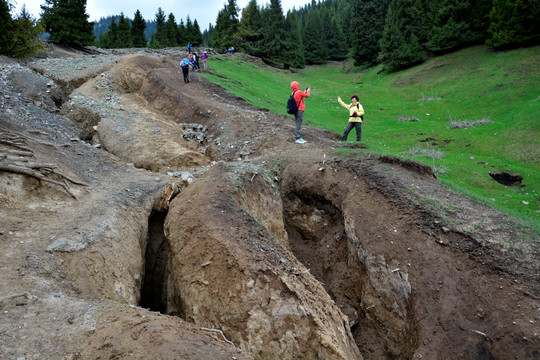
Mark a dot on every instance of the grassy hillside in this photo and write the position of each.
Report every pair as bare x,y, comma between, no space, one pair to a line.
466,114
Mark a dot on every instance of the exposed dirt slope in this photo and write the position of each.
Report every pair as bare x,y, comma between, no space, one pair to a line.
184,223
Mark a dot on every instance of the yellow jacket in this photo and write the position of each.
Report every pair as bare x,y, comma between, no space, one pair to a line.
353,109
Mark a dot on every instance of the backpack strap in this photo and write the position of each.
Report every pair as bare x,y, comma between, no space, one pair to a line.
358,108
298,103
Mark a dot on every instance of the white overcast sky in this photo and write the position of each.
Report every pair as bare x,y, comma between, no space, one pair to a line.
205,11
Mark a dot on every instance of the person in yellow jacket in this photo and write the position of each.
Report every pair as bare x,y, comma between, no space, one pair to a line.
356,115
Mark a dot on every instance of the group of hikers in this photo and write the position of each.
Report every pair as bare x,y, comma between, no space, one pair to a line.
356,113
191,62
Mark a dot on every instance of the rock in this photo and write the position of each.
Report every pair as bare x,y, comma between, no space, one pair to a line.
186,177
58,245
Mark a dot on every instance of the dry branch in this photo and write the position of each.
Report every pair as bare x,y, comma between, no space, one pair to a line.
19,161
17,152
36,165
19,140
15,142
221,332
31,172
71,180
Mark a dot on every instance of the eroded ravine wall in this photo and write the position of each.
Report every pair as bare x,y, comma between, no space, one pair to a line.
233,272
422,290
323,235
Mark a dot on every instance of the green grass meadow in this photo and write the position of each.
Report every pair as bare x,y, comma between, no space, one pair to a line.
496,93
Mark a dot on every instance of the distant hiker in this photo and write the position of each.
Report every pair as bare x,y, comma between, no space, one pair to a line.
194,68
196,60
189,48
204,58
299,116
184,64
356,115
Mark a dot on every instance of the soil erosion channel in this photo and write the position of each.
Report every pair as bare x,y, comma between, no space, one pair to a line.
143,217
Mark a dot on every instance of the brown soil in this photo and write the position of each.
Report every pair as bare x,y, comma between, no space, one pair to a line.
240,245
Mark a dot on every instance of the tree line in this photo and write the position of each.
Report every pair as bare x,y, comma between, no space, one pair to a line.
398,33
122,32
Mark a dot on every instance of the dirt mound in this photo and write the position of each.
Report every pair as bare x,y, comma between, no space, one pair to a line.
183,222
408,164
129,74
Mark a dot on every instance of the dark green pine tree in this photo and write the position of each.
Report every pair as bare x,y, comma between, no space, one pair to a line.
159,37
278,44
250,29
226,26
19,37
193,32
110,38
478,18
326,30
450,28
138,25
153,43
403,35
367,26
514,23
335,39
189,30
297,59
182,34
219,40
6,28
171,32
196,34
345,16
100,39
208,35
314,38
123,40
66,22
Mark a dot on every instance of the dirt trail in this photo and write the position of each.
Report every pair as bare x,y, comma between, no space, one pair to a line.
198,229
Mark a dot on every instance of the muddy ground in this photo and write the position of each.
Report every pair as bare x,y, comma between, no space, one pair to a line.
143,217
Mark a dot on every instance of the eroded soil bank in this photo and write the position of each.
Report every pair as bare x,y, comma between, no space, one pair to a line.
181,222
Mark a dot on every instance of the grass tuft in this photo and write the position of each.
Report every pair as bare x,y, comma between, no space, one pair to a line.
429,153
426,98
406,119
468,123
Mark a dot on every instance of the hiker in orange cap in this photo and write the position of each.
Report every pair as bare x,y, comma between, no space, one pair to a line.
299,116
